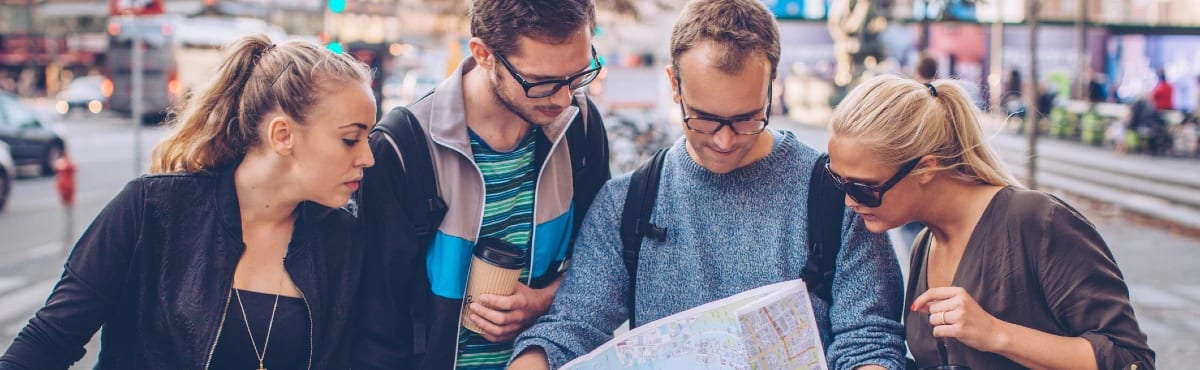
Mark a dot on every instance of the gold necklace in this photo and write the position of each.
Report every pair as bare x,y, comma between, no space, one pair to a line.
270,323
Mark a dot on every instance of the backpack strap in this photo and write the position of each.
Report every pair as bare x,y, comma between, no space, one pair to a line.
401,128
579,141
635,221
826,207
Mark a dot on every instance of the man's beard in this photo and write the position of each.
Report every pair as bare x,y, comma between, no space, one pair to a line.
508,103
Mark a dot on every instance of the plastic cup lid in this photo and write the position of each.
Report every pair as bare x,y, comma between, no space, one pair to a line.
500,253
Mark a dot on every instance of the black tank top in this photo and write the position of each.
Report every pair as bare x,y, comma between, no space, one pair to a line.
289,345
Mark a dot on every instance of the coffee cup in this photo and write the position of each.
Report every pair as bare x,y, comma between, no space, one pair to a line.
495,269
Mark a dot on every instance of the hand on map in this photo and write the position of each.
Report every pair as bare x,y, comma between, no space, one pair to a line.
503,317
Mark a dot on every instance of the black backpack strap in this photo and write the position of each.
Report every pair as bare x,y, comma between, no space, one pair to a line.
426,207
826,210
635,221
579,139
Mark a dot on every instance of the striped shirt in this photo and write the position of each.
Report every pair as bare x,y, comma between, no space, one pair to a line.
509,179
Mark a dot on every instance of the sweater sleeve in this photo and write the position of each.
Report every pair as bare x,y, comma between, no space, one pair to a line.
591,302
867,301
90,285
1087,293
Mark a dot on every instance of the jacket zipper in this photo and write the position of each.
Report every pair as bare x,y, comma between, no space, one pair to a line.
225,312
304,297
482,206
537,185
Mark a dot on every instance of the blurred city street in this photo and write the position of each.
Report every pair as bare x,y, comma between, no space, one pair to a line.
1158,263
32,224
1115,85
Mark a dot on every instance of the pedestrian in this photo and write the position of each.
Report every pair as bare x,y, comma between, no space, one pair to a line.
927,68
1096,90
518,152
731,213
234,241
1163,93
1005,277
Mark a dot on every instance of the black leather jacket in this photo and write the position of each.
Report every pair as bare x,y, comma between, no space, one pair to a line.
156,267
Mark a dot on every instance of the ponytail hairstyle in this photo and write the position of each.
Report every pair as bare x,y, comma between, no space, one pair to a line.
220,124
900,120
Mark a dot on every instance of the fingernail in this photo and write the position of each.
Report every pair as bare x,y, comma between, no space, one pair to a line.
913,307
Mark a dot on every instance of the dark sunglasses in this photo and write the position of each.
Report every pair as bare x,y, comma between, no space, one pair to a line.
869,195
546,88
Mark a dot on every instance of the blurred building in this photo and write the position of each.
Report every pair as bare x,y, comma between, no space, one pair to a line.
45,41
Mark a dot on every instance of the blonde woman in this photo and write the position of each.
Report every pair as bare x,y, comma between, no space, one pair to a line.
232,254
1005,277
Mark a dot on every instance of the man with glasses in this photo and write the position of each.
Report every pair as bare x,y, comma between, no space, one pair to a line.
518,153
732,210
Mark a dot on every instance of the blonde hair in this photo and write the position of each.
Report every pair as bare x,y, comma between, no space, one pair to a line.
220,124
900,120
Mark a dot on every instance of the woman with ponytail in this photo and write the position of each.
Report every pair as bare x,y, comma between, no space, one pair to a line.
1003,277
232,253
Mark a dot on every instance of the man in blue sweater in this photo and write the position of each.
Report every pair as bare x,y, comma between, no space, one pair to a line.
733,201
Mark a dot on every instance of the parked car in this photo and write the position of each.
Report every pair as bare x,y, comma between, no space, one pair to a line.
84,93
8,172
30,140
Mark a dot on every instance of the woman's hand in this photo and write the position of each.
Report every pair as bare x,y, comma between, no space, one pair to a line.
954,314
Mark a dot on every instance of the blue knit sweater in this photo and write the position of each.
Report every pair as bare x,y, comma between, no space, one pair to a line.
725,234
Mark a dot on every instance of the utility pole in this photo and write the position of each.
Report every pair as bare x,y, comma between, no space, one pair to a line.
1081,27
137,94
924,41
1031,93
29,17
996,79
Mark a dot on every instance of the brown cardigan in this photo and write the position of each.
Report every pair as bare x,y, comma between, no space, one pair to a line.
1034,261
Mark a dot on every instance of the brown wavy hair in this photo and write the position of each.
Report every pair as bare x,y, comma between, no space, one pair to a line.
217,126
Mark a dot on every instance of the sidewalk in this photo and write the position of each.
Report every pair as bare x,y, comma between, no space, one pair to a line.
1163,188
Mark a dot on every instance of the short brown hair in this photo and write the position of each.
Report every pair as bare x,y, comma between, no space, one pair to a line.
499,22
220,124
740,27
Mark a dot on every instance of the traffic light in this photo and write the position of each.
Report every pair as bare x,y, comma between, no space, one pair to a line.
336,47
337,6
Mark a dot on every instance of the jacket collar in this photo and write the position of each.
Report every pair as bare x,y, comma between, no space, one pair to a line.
449,117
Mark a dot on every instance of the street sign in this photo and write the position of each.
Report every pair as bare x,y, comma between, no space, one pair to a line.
135,7
337,6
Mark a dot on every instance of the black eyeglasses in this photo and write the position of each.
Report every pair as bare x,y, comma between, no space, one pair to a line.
868,195
546,88
710,125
